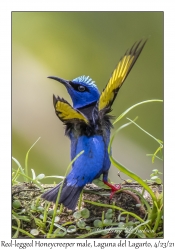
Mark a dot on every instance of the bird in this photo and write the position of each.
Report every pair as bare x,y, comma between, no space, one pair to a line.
88,125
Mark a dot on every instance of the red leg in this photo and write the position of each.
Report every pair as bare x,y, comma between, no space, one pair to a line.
114,188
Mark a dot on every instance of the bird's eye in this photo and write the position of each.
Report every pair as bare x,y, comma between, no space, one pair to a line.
81,88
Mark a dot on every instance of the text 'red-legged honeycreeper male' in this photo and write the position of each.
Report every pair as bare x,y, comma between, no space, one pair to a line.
88,127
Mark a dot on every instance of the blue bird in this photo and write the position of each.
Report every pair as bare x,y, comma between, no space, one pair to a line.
88,124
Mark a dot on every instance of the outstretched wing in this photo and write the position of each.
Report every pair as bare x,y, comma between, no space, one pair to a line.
119,75
66,113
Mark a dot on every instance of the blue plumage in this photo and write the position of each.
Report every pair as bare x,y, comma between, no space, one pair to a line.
83,168
88,127
83,91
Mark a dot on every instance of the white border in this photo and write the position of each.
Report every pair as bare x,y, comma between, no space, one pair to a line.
5,91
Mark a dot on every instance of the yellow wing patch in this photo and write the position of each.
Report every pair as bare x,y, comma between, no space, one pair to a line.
67,113
119,75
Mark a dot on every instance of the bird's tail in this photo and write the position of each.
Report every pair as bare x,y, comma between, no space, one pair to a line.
69,195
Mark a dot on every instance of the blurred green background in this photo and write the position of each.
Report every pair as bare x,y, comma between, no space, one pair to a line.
70,44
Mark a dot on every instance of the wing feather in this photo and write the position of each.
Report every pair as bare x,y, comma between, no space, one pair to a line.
66,113
119,75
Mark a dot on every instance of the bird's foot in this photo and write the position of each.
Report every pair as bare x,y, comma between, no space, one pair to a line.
114,188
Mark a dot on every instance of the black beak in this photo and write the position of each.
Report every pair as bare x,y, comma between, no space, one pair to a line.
65,82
